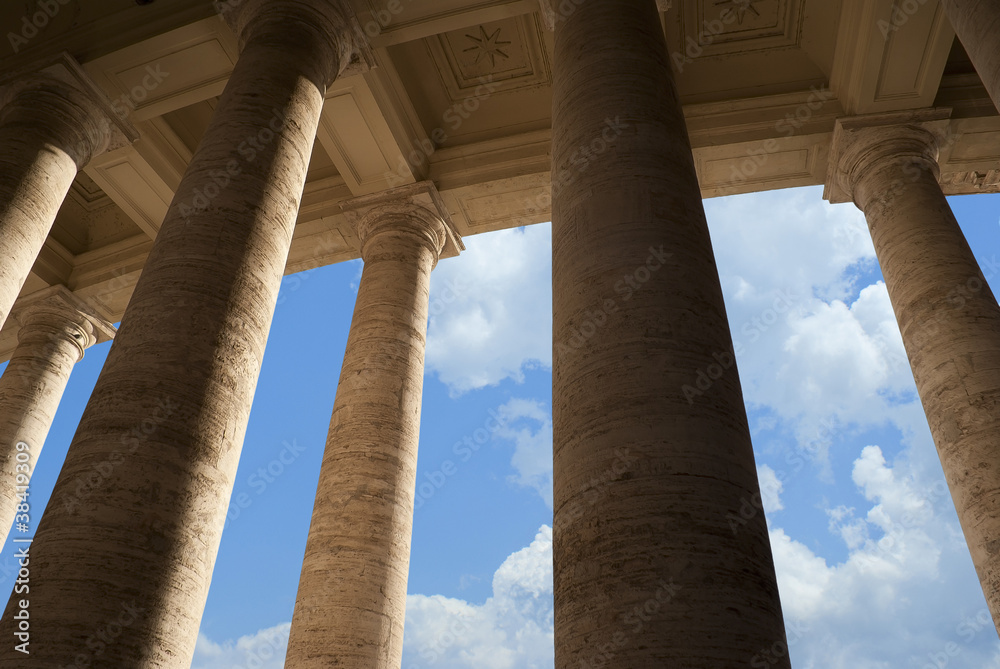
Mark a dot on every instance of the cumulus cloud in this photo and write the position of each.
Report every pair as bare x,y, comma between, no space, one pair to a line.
513,629
788,239
821,359
770,490
528,425
901,595
263,650
816,346
490,310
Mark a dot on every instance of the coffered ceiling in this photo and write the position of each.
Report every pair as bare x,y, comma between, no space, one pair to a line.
460,94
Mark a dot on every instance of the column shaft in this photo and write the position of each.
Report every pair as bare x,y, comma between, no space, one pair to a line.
977,24
48,132
648,472
950,323
131,533
50,342
352,593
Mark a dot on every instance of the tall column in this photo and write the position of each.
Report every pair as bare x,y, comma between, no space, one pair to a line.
352,592
56,328
130,535
651,465
947,314
53,120
977,24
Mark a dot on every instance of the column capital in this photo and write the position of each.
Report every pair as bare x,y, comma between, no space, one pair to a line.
864,144
332,22
415,208
58,95
57,307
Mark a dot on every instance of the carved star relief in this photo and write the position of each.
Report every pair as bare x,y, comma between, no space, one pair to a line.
739,8
488,45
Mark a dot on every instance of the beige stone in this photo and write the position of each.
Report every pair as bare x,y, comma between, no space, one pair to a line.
51,124
761,99
654,563
135,520
352,593
977,23
947,314
56,329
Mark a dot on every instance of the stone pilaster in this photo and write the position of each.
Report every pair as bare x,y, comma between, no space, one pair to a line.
134,523
650,467
977,24
56,328
947,314
352,593
53,120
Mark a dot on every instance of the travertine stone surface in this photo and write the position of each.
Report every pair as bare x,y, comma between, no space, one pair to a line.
49,130
56,328
948,317
134,523
652,464
352,592
977,24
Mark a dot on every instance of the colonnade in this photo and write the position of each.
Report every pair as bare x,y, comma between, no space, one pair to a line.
672,469
947,314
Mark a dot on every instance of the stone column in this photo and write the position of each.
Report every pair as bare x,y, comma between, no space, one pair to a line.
53,120
352,592
56,328
130,535
654,563
977,24
947,314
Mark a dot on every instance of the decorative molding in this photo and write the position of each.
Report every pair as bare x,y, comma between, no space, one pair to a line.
418,20
54,263
87,193
422,198
63,68
507,54
885,64
357,136
60,302
739,25
971,182
188,65
761,165
859,142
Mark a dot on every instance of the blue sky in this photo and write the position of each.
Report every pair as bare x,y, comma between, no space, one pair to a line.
872,567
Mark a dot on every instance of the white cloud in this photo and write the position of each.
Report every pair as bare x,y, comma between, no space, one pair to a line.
532,459
263,650
787,239
885,582
359,268
490,309
513,629
822,360
903,590
817,348
770,490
